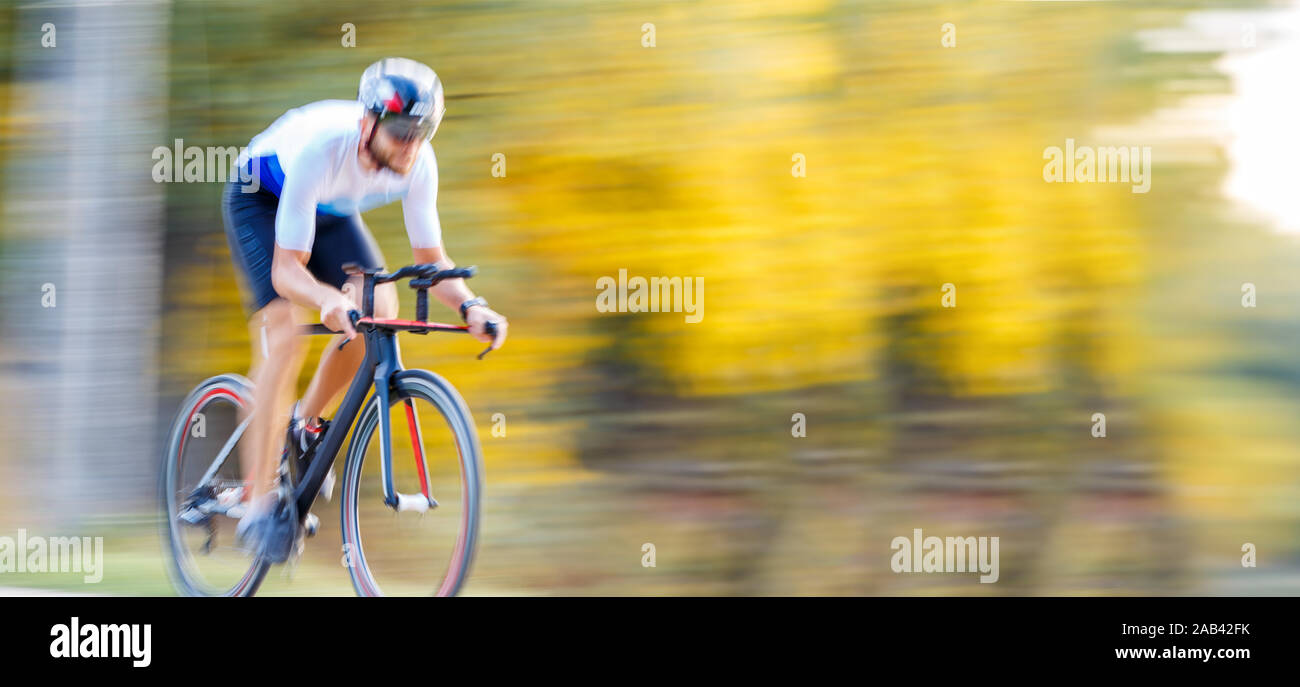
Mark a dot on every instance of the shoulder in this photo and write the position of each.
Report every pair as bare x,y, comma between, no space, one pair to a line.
330,132
333,122
426,165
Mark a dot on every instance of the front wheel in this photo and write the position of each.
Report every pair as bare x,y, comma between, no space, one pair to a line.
436,453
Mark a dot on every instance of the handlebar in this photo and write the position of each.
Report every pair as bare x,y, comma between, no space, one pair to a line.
423,277
427,272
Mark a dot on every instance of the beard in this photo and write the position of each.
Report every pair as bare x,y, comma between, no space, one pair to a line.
386,160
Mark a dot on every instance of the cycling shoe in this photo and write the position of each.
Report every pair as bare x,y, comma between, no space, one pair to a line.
268,531
303,435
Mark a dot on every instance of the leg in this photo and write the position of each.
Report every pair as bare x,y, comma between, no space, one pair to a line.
337,367
340,240
278,354
278,351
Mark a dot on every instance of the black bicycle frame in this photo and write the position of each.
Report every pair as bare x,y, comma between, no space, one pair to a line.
381,363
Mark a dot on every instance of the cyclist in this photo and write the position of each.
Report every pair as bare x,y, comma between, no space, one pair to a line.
318,167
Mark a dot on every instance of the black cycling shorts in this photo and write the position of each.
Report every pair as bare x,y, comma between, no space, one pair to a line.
250,231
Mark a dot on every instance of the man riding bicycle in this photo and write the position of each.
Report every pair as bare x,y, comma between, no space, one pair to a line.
318,168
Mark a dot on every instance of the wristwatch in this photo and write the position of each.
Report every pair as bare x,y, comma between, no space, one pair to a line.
464,307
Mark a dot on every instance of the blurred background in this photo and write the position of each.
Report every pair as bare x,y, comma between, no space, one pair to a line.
822,292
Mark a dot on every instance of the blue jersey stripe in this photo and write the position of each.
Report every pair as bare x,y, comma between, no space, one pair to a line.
272,175
269,174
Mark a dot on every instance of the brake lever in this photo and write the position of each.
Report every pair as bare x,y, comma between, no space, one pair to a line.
355,317
490,328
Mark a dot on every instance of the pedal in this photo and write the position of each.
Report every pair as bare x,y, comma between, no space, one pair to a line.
193,516
197,508
230,503
311,524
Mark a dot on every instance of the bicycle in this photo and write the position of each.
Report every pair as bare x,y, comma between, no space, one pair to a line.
203,505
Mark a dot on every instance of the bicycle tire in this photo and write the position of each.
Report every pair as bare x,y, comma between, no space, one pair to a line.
427,386
239,390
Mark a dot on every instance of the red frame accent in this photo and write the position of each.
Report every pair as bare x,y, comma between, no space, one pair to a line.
413,323
417,445
458,554
200,405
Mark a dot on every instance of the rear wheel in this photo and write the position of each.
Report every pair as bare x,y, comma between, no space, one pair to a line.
200,480
435,453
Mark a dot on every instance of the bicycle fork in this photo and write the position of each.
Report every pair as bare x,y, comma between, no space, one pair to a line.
394,499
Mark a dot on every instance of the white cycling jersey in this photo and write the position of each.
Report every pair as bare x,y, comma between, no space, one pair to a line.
308,157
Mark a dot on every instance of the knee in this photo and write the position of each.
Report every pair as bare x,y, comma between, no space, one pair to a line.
386,301
283,345
279,340
385,298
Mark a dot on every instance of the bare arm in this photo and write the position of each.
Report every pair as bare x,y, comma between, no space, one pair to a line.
291,280
425,233
295,230
450,292
453,292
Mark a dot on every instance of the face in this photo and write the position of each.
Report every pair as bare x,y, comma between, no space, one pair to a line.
397,152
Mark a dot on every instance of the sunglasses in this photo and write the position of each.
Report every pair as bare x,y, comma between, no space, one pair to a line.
406,128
